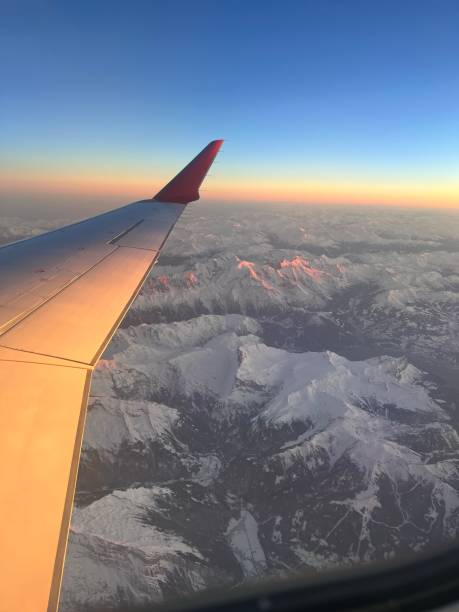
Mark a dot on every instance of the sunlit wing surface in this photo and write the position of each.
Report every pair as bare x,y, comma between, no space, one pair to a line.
62,296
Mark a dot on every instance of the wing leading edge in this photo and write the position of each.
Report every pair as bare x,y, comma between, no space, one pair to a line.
62,297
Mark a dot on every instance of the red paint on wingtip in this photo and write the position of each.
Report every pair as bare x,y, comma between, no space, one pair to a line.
184,187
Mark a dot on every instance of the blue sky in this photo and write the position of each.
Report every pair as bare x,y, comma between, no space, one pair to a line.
304,92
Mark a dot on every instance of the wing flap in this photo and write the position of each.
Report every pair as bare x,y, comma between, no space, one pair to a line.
42,413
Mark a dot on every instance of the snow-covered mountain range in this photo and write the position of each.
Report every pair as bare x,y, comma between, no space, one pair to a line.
281,397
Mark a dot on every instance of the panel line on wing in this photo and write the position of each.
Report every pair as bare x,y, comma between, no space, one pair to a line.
78,364
124,232
138,248
81,366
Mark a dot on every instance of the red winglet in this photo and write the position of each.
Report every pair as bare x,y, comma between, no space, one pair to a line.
184,187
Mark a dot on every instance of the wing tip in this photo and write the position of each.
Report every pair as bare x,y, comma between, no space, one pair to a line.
184,187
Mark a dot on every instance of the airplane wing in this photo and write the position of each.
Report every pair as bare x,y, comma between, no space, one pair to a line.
62,296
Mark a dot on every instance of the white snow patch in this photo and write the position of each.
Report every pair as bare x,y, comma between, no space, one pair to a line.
242,535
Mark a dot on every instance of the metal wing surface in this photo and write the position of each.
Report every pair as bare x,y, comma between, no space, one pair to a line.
62,296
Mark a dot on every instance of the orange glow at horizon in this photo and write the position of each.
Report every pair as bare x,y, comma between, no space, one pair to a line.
129,187
339,191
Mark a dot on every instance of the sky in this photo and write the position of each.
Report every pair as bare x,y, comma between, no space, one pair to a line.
325,101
